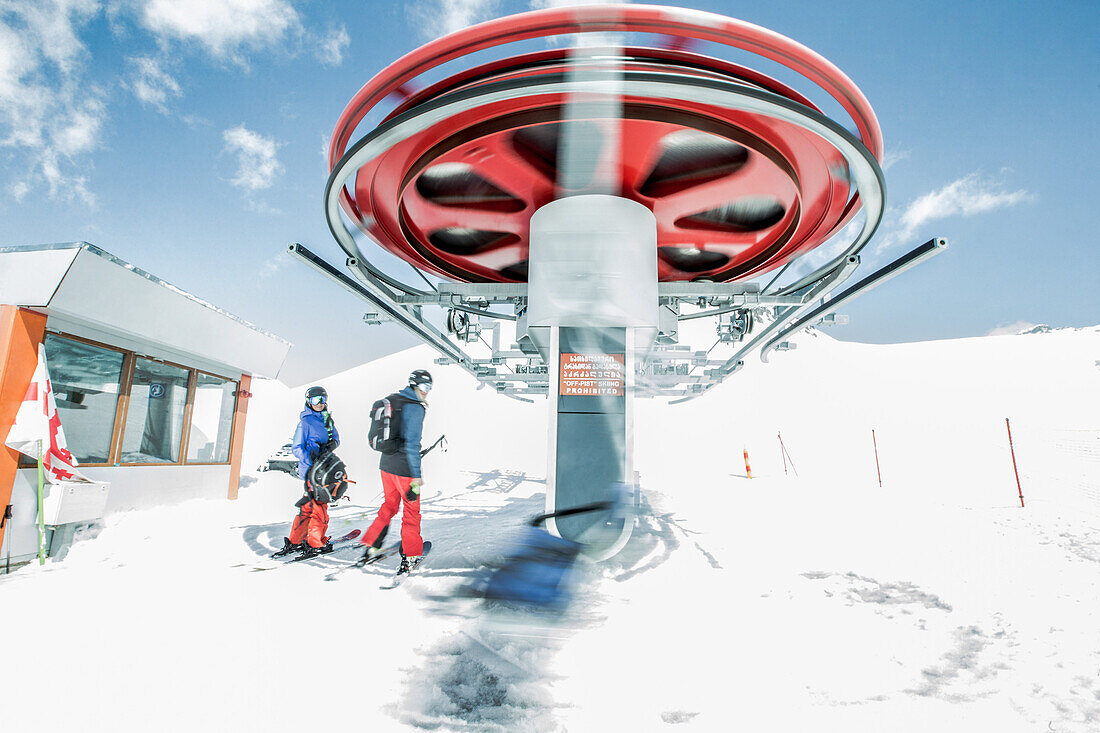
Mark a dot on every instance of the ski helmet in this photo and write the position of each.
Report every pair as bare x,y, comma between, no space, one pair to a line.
421,379
316,391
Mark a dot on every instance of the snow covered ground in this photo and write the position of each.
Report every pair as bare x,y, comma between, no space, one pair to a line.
811,602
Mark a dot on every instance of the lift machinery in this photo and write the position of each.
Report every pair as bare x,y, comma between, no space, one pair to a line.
587,198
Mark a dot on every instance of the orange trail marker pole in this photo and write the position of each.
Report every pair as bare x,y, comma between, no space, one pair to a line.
782,453
877,468
1012,450
748,471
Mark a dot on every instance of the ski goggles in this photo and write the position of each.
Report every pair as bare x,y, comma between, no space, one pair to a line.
425,387
317,400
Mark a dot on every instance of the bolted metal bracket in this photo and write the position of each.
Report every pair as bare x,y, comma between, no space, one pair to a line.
833,319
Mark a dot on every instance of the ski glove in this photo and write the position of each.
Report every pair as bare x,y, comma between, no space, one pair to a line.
414,490
323,448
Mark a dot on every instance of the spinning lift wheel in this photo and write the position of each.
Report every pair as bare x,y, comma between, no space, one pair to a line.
732,163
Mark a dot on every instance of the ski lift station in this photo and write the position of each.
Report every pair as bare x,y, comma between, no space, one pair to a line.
151,384
575,204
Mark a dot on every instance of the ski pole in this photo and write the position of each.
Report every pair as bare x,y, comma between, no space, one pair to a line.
593,507
426,451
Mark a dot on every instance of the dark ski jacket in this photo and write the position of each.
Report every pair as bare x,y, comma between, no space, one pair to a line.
309,437
405,461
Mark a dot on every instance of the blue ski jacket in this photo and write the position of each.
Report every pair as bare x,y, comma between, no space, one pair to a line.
405,461
309,437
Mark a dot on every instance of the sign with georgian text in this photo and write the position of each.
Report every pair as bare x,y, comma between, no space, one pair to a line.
592,375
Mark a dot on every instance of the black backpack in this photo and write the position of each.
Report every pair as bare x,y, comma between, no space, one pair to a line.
328,478
385,423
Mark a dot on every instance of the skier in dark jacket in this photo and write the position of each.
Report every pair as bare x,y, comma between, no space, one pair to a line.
316,435
401,477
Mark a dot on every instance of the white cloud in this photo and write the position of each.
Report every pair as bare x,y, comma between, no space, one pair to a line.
152,84
52,115
257,163
890,157
79,131
440,17
330,47
324,153
273,265
51,26
224,28
967,196
48,110
65,185
19,189
227,29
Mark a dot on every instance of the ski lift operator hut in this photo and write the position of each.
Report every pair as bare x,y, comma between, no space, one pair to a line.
151,383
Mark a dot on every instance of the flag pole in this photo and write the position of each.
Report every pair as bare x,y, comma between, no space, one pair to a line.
41,512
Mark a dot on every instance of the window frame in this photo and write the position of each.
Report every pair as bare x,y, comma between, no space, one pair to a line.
190,410
122,408
123,393
184,429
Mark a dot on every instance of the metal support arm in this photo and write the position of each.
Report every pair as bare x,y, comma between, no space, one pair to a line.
929,249
377,297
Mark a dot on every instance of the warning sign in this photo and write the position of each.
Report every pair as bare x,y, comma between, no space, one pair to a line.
592,375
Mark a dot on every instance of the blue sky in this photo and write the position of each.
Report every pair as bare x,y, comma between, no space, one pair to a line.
187,137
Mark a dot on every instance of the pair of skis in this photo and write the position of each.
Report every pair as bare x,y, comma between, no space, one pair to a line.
340,543
337,544
346,541
397,578
363,562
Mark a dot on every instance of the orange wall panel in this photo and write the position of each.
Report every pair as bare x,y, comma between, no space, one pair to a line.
237,445
21,331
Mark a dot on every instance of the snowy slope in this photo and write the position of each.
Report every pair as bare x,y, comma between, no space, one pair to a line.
816,602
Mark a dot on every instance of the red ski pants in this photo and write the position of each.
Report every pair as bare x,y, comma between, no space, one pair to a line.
395,488
310,524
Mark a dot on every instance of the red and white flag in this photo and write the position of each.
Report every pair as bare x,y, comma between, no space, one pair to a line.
37,429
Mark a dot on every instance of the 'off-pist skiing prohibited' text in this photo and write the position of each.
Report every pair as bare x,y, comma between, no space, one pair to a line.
592,375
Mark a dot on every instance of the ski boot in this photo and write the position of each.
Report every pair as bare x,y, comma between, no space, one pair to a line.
370,555
287,548
311,551
408,563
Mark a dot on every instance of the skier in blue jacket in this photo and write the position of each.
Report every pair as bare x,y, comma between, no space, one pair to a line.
316,434
401,477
